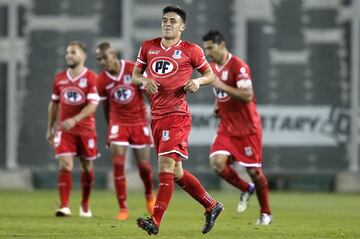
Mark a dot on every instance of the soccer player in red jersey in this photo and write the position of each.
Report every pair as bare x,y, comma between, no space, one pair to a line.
125,113
169,63
238,138
75,99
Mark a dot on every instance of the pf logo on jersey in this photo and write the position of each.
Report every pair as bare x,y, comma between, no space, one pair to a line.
163,67
73,96
221,95
123,94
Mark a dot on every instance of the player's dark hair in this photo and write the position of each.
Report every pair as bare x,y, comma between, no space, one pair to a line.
215,36
79,44
103,46
177,10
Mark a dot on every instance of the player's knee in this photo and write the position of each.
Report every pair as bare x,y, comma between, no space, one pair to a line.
217,164
166,165
86,165
65,165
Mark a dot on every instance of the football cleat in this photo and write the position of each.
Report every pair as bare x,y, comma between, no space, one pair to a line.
83,213
63,212
148,225
211,216
264,219
123,214
244,198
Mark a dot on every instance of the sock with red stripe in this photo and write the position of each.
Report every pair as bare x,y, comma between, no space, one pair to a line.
165,191
87,181
64,187
231,176
120,180
193,187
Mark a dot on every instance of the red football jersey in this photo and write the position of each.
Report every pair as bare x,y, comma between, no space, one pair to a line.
236,118
74,94
126,101
172,68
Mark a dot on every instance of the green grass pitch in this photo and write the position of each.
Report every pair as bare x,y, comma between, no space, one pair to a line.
296,215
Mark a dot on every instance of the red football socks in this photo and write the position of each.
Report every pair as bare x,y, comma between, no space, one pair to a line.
87,181
262,191
165,191
146,176
64,187
232,177
192,186
120,180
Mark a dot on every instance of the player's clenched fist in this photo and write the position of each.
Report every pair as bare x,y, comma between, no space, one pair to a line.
192,86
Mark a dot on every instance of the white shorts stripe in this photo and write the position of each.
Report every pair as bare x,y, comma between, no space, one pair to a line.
174,151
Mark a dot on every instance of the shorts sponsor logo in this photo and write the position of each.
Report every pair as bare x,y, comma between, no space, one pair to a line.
165,135
146,131
248,151
114,129
162,67
57,139
91,143
73,96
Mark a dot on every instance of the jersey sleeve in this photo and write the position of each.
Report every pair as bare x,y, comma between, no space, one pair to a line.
92,95
141,60
198,59
55,96
100,82
243,76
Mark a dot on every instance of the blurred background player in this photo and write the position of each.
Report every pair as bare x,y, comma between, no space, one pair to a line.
75,98
239,132
125,113
169,63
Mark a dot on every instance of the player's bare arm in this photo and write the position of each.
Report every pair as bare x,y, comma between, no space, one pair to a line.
244,94
52,115
150,85
193,85
70,123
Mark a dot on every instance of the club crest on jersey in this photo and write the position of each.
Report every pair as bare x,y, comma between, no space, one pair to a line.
177,54
123,94
248,151
162,67
165,135
220,95
83,82
127,79
224,75
73,96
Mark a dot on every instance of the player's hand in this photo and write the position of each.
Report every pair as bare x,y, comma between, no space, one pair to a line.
150,85
50,134
192,86
68,124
